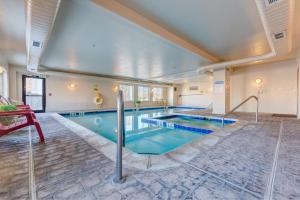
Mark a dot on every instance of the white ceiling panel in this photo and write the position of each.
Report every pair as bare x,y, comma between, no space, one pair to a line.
88,38
230,29
12,31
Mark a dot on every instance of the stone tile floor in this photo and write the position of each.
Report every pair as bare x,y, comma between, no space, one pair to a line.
238,167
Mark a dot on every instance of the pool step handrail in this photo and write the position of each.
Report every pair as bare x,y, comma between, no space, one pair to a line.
242,103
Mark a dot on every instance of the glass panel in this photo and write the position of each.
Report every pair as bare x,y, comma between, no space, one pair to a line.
34,93
157,94
34,86
127,91
143,93
35,102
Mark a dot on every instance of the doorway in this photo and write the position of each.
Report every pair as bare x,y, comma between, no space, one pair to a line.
34,92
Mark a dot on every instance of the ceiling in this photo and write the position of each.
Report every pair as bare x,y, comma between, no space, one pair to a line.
90,38
99,41
12,31
230,29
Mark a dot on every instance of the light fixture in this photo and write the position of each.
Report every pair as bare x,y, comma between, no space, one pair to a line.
72,86
1,70
258,81
115,88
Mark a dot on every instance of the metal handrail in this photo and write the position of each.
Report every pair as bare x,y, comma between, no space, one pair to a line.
119,178
243,102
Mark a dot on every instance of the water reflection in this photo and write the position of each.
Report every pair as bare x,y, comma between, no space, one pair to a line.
142,125
128,123
98,121
106,123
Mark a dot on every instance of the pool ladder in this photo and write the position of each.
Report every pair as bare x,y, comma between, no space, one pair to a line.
243,102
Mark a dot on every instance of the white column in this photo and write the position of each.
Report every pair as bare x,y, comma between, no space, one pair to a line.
171,96
221,91
5,78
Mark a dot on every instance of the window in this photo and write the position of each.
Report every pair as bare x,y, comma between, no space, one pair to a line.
157,94
127,92
143,93
33,92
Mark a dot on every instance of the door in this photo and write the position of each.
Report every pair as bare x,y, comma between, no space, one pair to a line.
34,93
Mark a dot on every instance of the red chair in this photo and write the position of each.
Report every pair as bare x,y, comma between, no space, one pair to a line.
9,101
23,107
30,119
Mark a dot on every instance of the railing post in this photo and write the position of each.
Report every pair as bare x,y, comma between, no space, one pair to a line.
235,108
120,139
256,115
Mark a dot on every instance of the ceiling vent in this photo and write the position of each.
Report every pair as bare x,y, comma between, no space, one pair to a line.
272,2
36,44
193,88
279,35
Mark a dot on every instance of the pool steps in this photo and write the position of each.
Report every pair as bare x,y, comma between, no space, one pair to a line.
159,121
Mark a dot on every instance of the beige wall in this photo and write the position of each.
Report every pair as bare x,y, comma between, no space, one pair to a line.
201,97
80,98
63,98
279,89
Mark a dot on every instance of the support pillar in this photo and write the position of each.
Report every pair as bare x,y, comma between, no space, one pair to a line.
221,91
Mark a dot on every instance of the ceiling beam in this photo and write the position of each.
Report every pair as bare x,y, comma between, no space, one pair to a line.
140,20
45,70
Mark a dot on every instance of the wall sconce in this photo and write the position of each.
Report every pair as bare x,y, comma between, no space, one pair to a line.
258,81
72,86
115,88
1,70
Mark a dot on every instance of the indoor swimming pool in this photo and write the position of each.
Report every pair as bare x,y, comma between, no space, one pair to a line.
140,137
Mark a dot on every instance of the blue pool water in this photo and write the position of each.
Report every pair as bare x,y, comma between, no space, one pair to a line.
203,122
140,137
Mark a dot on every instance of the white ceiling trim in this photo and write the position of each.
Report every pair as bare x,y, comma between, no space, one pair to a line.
40,18
253,59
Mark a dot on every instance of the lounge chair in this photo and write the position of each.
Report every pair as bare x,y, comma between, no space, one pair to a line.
9,101
13,120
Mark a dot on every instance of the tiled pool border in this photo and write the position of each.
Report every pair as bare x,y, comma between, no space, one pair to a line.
80,113
200,117
159,121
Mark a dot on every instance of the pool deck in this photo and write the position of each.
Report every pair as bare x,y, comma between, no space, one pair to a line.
131,159
258,161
